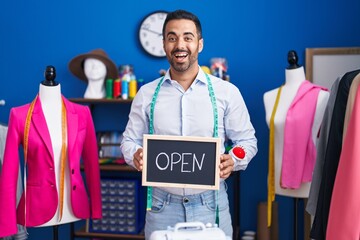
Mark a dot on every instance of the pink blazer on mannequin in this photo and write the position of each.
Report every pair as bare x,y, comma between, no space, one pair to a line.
41,191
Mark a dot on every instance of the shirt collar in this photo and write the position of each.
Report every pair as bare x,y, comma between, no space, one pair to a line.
201,76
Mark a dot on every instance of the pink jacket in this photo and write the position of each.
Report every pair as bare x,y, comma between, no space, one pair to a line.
41,192
299,153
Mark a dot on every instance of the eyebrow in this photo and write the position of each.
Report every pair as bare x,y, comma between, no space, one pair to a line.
186,33
189,33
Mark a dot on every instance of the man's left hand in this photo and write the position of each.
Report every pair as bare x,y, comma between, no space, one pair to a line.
226,165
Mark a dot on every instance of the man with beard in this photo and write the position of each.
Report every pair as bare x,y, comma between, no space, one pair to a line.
188,102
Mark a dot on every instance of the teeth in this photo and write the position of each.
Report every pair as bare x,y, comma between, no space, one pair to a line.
180,55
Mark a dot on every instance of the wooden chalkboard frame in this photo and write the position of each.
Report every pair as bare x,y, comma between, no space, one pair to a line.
166,138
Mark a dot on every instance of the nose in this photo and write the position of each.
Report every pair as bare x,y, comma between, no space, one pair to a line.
181,44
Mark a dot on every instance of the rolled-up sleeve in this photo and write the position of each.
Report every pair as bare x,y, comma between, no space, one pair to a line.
136,127
239,129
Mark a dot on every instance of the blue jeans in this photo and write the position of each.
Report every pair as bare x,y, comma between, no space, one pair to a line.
168,209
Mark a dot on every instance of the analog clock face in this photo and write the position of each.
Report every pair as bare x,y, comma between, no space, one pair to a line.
150,33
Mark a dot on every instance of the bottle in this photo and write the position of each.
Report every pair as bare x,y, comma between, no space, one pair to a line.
132,88
140,82
117,88
124,88
109,88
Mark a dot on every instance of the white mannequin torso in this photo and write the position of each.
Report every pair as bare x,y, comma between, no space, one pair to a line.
294,78
95,72
51,103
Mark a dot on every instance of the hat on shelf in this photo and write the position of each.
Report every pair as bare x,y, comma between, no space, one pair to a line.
76,65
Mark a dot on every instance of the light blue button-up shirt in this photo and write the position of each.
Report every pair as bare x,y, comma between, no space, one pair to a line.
190,113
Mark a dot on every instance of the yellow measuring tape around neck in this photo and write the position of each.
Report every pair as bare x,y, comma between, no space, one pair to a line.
271,174
63,150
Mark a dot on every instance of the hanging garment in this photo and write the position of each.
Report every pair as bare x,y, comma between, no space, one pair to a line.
344,213
41,191
21,233
3,132
333,150
321,150
350,102
299,152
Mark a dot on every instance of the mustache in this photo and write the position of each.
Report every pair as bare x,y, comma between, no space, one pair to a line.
180,51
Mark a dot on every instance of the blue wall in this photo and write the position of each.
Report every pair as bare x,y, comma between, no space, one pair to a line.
254,36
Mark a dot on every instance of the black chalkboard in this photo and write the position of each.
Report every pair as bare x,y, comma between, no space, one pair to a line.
181,161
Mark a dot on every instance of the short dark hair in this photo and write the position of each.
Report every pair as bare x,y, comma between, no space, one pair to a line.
182,14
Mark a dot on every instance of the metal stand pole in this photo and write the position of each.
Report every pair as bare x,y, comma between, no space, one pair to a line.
55,232
296,201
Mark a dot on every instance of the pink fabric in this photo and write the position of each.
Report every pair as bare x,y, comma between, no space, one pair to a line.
299,153
41,195
344,214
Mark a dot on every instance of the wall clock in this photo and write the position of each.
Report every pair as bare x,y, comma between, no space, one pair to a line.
150,33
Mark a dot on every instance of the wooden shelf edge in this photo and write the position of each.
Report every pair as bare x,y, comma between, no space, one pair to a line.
101,100
117,167
82,233
114,167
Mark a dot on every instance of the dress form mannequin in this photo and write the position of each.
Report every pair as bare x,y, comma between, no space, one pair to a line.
36,128
51,103
95,71
294,77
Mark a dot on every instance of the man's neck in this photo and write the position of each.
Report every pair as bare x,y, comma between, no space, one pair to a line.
185,79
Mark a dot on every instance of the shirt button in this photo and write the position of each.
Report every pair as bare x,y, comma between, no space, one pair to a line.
185,200
74,187
72,171
52,185
51,169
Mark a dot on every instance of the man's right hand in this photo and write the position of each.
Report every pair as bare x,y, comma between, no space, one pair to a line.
138,159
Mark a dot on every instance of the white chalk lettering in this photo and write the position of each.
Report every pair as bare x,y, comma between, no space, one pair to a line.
196,161
188,161
173,161
185,163
157,161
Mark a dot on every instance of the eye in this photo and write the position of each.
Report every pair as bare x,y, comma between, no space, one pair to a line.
188,39
171,39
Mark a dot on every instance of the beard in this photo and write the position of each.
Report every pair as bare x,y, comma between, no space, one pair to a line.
182,67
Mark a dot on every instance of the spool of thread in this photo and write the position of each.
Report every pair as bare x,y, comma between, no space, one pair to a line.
124,89
109,88
117,88
132,88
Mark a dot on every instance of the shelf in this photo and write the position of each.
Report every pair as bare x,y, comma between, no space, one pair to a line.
109,144
82,233
101,100
106,169
115,167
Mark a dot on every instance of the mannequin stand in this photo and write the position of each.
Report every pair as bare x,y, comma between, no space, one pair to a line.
296,201
55,232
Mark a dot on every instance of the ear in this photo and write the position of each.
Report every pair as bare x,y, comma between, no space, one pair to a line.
201,45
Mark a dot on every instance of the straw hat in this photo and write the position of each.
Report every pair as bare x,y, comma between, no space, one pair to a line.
76,65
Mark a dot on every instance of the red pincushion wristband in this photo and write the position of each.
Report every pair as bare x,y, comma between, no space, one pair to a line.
239,152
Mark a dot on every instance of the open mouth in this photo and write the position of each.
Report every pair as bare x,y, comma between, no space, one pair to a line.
181,55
